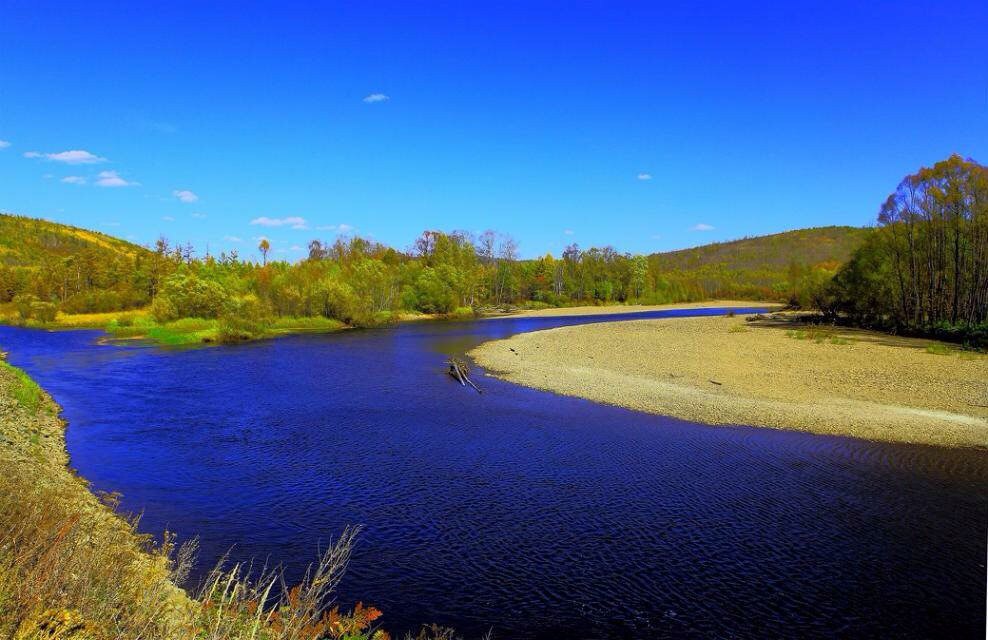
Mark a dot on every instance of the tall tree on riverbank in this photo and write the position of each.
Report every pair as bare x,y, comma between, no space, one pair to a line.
927,265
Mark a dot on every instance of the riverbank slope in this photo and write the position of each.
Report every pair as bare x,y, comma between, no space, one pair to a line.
771,373
69,566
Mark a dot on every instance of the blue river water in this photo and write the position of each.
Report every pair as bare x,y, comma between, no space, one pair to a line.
537,515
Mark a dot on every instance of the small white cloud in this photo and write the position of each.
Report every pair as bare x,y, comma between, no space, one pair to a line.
74,180
198,215
184,195
376,97
168,218
233,238
656,236
644,176
338,228
4,144
75,156
295,247
111,224
295,222
113,179
568,232
702,227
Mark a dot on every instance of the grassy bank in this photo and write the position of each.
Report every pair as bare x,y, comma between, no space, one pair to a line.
72,568
67,562
139,324
770,372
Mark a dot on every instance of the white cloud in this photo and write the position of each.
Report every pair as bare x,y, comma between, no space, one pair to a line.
644,176
656,236
113,179
294,222
295,247
568,232
185,195
168,218
198,215
74,180
702,226
74,156
4,144
376,97
111,224
233,238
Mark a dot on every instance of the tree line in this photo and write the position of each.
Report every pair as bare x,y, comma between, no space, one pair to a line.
362,282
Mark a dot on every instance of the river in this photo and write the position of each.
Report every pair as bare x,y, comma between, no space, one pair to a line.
539,515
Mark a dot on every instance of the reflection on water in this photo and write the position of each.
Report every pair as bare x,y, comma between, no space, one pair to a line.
540,515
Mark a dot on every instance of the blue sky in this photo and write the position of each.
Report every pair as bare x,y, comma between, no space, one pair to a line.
630,124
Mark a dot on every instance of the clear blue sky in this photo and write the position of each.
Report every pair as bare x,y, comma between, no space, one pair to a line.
534,119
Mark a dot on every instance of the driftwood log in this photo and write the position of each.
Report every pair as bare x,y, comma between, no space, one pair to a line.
460,371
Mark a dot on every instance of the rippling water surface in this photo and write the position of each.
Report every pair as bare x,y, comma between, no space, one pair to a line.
539,515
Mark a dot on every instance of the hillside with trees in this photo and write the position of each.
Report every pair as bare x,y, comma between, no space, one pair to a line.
782,266
50,265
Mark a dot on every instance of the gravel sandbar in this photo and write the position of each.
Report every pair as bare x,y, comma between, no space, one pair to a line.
724,370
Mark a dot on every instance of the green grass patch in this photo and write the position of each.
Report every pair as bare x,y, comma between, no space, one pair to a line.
185,331
939,349
288,324
819,336
738,328
25,391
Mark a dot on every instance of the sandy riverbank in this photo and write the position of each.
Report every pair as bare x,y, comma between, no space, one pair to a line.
617,309
722,370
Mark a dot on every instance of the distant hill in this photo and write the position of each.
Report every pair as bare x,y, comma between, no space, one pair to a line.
767,267
27,242
81,270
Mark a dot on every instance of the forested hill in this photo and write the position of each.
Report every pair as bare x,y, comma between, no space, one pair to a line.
763,267
80,270
28,242
813,247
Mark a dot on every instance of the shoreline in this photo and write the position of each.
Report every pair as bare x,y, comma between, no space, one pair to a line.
196,332
42,493
630,309
768,373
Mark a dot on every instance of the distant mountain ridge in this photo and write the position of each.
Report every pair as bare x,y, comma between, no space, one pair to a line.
814,246
780,265
27,242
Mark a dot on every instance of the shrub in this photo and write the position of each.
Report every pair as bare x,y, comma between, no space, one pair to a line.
44,311
25,305
186,295
247,318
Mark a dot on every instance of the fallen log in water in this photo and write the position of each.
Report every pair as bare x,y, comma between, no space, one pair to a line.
461,372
